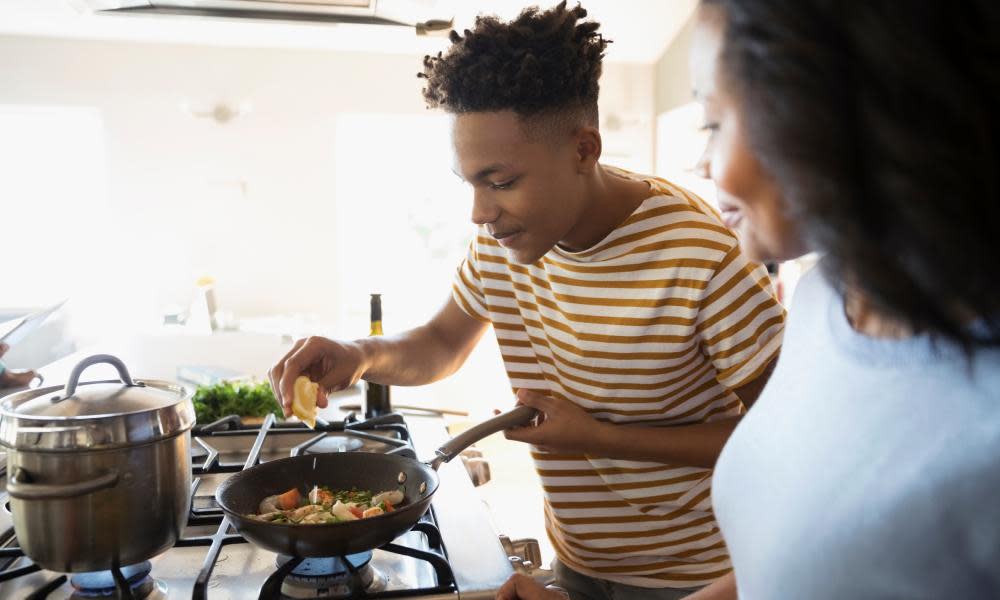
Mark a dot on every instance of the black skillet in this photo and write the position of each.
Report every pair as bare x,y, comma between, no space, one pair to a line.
241,494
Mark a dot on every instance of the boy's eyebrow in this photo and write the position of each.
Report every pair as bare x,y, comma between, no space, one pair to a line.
484,172
487,171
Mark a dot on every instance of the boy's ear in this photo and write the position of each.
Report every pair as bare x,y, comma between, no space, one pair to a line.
588,148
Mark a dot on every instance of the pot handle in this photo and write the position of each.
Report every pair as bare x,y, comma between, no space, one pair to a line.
19,486
516,417
74,376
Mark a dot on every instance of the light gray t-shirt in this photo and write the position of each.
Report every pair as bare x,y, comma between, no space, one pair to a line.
867,469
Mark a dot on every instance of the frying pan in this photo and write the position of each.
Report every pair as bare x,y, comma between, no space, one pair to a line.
241,493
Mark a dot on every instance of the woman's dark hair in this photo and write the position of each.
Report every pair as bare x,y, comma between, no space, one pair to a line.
541,62
880,122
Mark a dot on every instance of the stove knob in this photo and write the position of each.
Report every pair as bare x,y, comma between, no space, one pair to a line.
508,547
476,466
529,550
515,562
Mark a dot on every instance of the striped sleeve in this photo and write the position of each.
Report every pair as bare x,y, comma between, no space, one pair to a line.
740,322
467,288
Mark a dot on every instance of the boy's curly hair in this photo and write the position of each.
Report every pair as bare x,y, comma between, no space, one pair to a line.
541,62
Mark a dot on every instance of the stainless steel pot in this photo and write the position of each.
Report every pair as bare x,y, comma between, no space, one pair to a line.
99,473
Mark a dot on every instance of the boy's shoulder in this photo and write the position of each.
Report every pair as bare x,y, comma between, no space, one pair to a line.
667,193
672,212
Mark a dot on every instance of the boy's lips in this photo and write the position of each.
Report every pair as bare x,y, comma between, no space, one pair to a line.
507,239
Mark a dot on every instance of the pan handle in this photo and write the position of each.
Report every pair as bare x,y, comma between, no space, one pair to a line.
517,417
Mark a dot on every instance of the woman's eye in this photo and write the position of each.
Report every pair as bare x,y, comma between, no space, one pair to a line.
710,127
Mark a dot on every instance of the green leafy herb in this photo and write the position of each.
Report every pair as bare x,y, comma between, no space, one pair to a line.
213,402
354,495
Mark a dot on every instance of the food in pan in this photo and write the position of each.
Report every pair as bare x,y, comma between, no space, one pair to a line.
304,400
323,505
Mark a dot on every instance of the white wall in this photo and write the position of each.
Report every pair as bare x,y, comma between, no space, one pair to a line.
249,202
627,109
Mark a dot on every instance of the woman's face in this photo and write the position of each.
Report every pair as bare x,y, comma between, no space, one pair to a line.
749,198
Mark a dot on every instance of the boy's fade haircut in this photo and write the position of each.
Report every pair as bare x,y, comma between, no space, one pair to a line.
541,64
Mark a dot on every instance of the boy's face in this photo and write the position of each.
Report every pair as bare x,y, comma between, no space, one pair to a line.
527,190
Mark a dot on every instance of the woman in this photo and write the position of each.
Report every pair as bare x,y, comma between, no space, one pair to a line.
866,132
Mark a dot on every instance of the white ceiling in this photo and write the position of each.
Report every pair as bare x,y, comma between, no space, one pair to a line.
641,29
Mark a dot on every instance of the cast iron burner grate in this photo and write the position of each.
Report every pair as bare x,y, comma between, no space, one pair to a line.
272,587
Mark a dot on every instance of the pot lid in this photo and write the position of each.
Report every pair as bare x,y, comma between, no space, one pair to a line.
100,399
98,414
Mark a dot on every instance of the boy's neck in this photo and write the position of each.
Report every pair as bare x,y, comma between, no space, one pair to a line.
612,199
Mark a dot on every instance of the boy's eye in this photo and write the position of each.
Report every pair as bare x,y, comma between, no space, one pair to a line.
503,185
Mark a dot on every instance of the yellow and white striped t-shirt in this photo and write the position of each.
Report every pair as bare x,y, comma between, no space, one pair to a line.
653,325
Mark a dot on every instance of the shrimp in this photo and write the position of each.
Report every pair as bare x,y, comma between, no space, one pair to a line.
394,497
300,513
343,512
319,517
268,505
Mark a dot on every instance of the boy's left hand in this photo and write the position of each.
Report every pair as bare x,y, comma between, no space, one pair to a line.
564,426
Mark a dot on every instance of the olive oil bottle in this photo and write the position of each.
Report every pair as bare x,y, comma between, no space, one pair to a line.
376,394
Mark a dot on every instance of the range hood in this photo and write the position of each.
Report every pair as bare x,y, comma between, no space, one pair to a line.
426,16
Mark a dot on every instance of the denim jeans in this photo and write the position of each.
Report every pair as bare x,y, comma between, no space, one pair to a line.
585,587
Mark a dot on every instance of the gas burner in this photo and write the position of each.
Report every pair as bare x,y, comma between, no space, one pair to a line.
333,577
101,584
333,443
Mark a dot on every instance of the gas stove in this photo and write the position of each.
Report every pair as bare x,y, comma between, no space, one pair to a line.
453,552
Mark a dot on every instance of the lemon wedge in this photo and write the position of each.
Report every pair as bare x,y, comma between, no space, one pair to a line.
304,400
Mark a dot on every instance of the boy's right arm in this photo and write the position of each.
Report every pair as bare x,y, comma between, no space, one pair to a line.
419,356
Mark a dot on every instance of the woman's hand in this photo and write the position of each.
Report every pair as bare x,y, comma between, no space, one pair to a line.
565,427
522,587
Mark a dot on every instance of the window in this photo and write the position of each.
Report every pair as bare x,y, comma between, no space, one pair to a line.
680,142
402,228
55,211
56,223
402,216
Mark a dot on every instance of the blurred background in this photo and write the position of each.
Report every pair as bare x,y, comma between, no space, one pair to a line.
207,181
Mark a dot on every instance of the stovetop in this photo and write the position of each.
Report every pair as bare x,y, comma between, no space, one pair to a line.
452,552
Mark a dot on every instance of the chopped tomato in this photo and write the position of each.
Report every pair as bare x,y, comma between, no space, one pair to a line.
356,511
290,499
388,506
